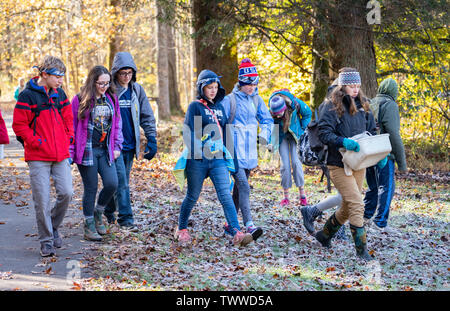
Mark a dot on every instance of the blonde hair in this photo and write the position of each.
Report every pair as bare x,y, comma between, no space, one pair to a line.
51,62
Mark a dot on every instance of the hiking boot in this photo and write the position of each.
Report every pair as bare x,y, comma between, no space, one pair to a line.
359,236
303,201
256,232
284,202
99,225
330,228
341,234
57,241
90,232
47,249
309,215
182,236
242,239
228,230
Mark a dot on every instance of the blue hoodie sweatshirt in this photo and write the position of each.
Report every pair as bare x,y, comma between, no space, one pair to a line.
200,121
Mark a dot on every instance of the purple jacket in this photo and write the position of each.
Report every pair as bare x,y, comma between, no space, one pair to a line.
80,130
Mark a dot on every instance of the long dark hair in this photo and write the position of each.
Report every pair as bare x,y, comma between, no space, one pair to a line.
88,90
338,93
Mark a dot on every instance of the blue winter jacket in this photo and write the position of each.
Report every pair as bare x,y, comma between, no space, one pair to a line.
245,129
300,118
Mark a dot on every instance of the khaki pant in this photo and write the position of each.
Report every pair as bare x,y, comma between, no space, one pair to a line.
350,187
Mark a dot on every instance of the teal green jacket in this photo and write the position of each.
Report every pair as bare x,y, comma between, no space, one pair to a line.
389,119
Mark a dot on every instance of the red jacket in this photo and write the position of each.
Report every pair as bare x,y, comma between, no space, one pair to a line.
49,137
4,138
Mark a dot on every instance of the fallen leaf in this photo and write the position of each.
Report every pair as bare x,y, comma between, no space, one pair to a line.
76,286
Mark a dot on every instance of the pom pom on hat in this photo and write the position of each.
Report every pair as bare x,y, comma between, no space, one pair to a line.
277,105
247,72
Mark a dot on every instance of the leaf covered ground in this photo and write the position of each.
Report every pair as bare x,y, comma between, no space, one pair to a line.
413,257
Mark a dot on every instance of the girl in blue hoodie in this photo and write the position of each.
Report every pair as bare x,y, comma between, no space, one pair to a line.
204,135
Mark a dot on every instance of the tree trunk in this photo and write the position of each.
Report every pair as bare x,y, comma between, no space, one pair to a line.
351,42
320,77
215,49
174,95
163,67
115,40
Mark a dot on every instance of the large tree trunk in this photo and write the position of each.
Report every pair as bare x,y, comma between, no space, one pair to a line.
163,67
115,40
320,76
215,49
351,42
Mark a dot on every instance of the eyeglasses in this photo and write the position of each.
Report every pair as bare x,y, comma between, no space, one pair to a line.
124,74
102,84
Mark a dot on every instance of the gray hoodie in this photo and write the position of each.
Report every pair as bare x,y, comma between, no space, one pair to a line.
141,111
389,119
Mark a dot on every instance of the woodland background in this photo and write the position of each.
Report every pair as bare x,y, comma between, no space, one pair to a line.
298,45
295,44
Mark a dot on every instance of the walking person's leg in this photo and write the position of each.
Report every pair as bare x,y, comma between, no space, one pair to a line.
371,197
89,176
109,177
40,188
297,171
61,173
123,191
386,180
218,175
310,213
196,172
285,171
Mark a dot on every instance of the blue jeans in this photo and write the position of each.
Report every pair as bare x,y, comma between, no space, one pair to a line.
288,155
89,175
196,172
381,188
121,200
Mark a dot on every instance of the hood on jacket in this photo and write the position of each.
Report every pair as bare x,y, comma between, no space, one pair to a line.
207,77
33,85
123,60
330,89
389,87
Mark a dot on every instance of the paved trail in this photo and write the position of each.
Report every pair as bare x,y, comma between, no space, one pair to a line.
21,266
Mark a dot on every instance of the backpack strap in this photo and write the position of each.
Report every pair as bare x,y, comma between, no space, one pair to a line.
232,107
202,101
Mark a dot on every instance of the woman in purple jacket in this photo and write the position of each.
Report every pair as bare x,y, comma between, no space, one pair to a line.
98,142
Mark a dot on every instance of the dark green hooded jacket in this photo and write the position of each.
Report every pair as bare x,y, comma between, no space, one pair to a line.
389,119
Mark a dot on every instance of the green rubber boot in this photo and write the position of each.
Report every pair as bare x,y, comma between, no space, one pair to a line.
359,236
330,228
99,224
90,232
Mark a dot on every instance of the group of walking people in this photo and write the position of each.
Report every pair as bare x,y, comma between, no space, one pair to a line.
243,118
99,131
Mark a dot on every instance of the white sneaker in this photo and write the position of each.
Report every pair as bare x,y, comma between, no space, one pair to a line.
367,222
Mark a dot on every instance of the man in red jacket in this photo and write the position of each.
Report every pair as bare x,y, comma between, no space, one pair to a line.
43,120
